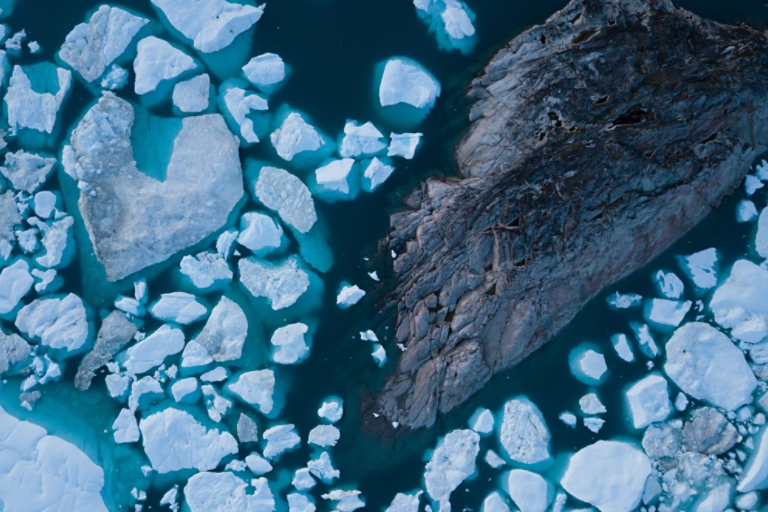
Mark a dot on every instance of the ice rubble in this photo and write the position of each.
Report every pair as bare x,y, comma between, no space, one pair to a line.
406,81
157,61
174,440
192,96
610,475
281,284
283,192
648,400
706,365
27,171
212,25
290,344
179,307
524,433
60,323
452,462
41,472
295,136
265,71
254,388
152,350
34,110
91,47
226,492
403,144
530,491
260,233
280,439
239,103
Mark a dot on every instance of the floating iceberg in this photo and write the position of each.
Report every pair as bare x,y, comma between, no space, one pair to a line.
15,283
27,171
349,296
281,284
42,472
60,323
152,350
361,140
206,270
529,491
260,233
337,179
125,427
28,108
701,267
91,47
406,81
174,440
239,103
324,435
452,462
186,390
591,404
668,284
610,475
323,469
666,313
283,192
255,388
623,349
290,344
297,137
224,333
332,409
225,492
706,365
280,439
648,401
376,173
403,144
157,61
265,71
740,303
192,96
211,24
524,433
300,503
587,364
179,307
482,421
258,464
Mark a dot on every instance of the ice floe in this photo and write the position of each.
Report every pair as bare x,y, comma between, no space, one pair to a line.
265,71
153,350
349,296
28,108
206,269
283,192
126,429
290,344
192,96
701,268
60,323
254,388
27,171
452,462
648,400
280,283
740,304
15,283
226,492
404,144
524,433
179,307
157,61
239,103
296,137
280,439
587,365
260,233
406,81
530,491
361,140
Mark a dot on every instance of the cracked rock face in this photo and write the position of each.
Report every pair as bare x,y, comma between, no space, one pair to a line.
597,140
135,221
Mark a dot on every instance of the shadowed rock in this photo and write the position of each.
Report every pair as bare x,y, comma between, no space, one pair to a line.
596,141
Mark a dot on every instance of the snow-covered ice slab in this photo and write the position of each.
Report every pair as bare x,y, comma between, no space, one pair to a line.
706,365
281,284
90,47
324,435
701,268
332,409
530,491
255,388
406,81
623,348
206,270
211,24
338,179
60,323
27,171
179,307
587,365
349,296
224,333
741,304
125,427
41,473
280,439
283,192
591,404
174,440
648,400
666,313
260,233
152,350
376,173
192,96
296,137
452,462
265,71
203,183
157,61
226,492
36,110
290,344
610,475
524,433
15,283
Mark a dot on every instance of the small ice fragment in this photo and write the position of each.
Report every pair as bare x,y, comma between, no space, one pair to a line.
335,176
624,301
700,267
331,410
369,336
405,81
290,343
746,211
587,365
361,140
493,459
530,491
482,421
115,79
34,47
280,439
667,313
180,307
681,402
404,144
375,174
648,401
324,435
524,434
594,424
590,404
15,282
191,96
645,340
143,392
452,462
568,418
281,283
752,184
374,276
283,192
206,269
45,204
239,104
255,388
623,349
156,61
669,285
260,233
295,136
303,480
185,390
379,354
258,464
153,350
265,70
125,427
349,296
347,500
218,374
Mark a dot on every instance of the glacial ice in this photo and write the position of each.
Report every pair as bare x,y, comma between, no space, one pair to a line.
157,61
41,473
265,71
290,344
185,390
283,192
60,323
206,270
115,79
740,302
225,492
27,171
755,474
295,136
125,427
153,350
648,400
610,475
323,469
303,480
666,313
587,364
337,179
524,433
15,283
668,284
361,140
746,211
260,233
349,296
375,173
144,392
224,333
257,464
482,421
332,409
28,108
192,96
212,25
44,203
624,301
403,144
280,439
452,462
239,103
254,388
91,47
701,268
406,81
300,503
175,440
706,365
492,503
458,23
623,349
280,283
591,404
530,491
348,501
179,307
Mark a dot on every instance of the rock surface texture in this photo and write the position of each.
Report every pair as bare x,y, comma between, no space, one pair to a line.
596,141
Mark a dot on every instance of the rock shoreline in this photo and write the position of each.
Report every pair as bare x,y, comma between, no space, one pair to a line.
596,141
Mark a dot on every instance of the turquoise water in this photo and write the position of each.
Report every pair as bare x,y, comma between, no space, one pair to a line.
333,47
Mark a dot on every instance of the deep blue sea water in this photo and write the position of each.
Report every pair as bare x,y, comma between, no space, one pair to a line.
333,47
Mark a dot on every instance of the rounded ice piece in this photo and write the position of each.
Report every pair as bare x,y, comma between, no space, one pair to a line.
331,410
258,464
206,269
529,491
524,433
283,192
458,24
260,233
265,70
280,439
406,81
587,364
452,462
191,96
290,344
706,365
610,475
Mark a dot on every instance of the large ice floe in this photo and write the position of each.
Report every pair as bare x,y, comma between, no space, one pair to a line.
132,219
226,492
452,462
43,473
524,433
406,81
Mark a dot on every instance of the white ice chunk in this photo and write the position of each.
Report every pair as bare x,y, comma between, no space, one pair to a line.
740,304
117,385
290,343
180,307
258,464
205,269
283,192
260,233
184,388
610,475
222,338
143,392
126,430
331,410
624,301
648,400
588,365
524,433
45,204
493,459
369,335
324,435
265,70
361,140
706,365
174,440
323,469
191,96
115,79
755,474
239,104
303,480
375,174
379,354
623,349
645,340
90,47
752,184
59,323
404,503
669,284
15,282
493,503
300,503
483,421
225,492
458,24
591,404
29,109
156,61
152,350
334,176
280,439
282,284
667,312
594,424
529,491
403,144
746,211
452,462
255,388
568,418
700,267
212,25
407,82
295,136
349,296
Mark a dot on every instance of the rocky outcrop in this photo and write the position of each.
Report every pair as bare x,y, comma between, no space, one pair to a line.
596,141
